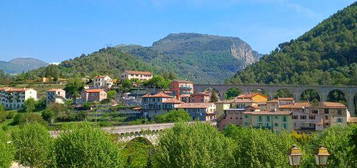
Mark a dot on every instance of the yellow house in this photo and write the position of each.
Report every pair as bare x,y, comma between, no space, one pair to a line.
254,97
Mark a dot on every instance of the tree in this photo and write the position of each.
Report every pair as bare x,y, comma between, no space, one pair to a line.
48,115
6,150
30,105
214,97
158,82
33,145
74,87
137,152
195,145
173,116
258,148
232,92
283,93
111,94
52,71
23,118
84,146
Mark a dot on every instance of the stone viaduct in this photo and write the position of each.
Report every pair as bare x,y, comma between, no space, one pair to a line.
127,133
350,92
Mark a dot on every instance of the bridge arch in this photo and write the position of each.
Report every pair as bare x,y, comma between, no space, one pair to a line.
310,95
283,92
337,95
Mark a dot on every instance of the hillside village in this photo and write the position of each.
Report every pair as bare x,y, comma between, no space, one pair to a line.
103,100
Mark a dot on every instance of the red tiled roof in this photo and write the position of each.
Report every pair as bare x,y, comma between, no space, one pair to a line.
249,95
171,100
201,94
297,105
273,101
157,95
268,113
332,105
94,90
139,72
195,105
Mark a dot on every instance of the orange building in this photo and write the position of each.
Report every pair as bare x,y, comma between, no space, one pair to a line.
182,89
254,97
93,95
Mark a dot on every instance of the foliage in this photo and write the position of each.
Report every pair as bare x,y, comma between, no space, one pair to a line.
173,116
283,93
257,148
214,96
137,152
158,82
337,96
33,145
6,150
84,146
111,94
74,87
325,55
232,93
195,145
30,105
310,95
23,118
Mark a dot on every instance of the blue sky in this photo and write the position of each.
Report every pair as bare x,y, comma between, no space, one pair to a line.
55,30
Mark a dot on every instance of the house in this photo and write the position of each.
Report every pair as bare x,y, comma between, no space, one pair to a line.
254,97
274,120
200,97
307,116
56,96
199,111
158,103
140,75
182,89
102,82
231,116
93,95
14,98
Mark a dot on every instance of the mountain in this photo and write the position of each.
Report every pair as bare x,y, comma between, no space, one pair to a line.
198,57
19,65
325,55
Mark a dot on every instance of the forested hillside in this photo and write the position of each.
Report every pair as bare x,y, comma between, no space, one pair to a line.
327,54
20,65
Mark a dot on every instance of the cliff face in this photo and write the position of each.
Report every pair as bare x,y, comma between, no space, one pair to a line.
197,57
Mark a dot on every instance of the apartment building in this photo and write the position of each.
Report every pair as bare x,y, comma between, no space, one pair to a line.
56,96
14,98
102,82
200,97
158,103
93,95
199,111
182,90
140,75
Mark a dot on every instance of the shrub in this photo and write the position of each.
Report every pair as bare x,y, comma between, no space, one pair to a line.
3,115
22,118
6,150
137,152
173,116
84,146
195,145
33,145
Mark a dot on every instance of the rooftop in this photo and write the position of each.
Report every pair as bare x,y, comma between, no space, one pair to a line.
138,72
182,81
9,89
299,105
195,105
157,95
250,95
94,90
268,113
286,99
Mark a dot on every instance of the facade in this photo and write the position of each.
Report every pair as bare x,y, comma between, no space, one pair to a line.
199,111
102,82
182,89
14,98
140,75
159,103
306,116
56,96
231,116
274,120
93,95
200,97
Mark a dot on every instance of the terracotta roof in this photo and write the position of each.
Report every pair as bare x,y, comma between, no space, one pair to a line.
94,90
171,100
249,95
273,101
268,113
297,105
332,105
8,89
201,94
286,99
195,105
139,72
157,95
185,95
101,76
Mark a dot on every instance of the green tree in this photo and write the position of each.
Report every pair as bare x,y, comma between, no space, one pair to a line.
195,145
258,148
283,93
6,150
232,93
111,94
137,152
74,87
214,97
52,71
173,116
84,146
30,105
23,118
158,82
33,145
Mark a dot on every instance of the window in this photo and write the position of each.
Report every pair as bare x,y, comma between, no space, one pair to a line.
246,116
311,117
339,120
326,111
260,118
276,124
268,118
284,119
285,126
303,117
315,111
326,117
339,112
295,117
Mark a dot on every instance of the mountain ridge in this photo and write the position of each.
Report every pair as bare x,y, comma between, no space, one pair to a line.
19,65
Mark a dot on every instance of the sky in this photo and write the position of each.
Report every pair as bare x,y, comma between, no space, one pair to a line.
56,30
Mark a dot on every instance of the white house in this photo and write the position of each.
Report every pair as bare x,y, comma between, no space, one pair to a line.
102,82
14,98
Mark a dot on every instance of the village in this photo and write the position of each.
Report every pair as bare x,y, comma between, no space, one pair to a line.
139,105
